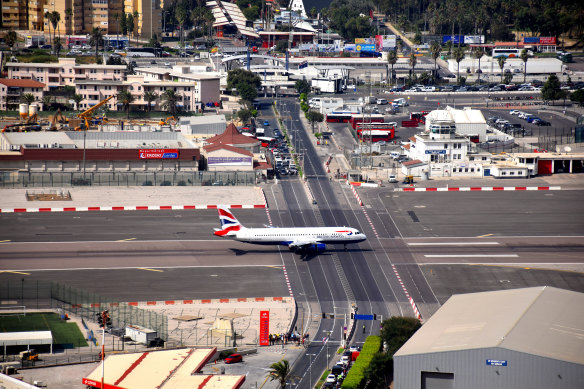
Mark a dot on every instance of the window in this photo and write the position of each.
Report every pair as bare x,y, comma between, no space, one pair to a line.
519,173
503,173
472,169
445,146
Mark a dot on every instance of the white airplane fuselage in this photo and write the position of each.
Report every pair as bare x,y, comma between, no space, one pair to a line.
287,236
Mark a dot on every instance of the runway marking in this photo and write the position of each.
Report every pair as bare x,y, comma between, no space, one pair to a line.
4,241
125,240
484,236
149,269
470,255
14,272
134,267
451,243
520,264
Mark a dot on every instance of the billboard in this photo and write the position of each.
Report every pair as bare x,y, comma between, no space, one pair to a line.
365,47
229,161
474,39
531,39
350,47
385,42
158,153
367,41
264,328
456,39
547,40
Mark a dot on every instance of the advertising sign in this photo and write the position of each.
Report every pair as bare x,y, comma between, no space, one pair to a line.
158,153
367,41
365,47
350,47
547,40
474,39
496,362
435,152
264,328
531,39
454,38
229,161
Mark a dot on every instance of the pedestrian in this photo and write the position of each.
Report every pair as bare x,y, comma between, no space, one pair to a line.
363,328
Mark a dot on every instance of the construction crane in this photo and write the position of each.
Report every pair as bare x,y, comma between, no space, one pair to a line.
57,118
88,114
167,121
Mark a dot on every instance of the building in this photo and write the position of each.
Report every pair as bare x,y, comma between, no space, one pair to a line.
202,126
150,16
221,157
162,369
232,137
469,122
23,15
11,92
518,338
228,17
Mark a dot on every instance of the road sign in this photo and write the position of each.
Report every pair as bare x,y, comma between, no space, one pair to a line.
363,317
435,152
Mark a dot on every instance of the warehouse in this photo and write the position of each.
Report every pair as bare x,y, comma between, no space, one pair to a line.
469,122
518,338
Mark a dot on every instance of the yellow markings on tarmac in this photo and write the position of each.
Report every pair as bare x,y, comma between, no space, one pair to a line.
4,241
125,240
484,236
15,272
148,269
275,266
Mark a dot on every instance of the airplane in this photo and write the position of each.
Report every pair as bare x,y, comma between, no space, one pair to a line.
300,240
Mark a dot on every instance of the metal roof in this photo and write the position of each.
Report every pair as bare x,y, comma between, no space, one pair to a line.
25,338
543,321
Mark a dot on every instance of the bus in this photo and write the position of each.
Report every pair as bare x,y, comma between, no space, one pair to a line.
420,117
144,52
338,117
369,118
376,126
509,53
376,135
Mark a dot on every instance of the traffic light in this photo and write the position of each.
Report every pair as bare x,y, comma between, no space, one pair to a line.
324,315
352,315
108,320
374,316
99,319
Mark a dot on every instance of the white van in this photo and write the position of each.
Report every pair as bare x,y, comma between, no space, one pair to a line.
394,154
381,101
400,102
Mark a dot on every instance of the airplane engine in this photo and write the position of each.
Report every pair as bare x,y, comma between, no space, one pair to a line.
319,247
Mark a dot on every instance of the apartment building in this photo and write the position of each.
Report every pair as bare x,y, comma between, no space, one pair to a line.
12,90
22,15
64,73
150,16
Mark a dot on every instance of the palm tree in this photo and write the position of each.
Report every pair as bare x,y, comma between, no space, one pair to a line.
55,19
413,62
391,60
94,38
10,38
170,101
181,14
478,54
77,99
435,49
136,16
47,16
69,19
27,98
125,98
524,57
149,97
279,371
117,18
57,45
458,56
501,60
47,100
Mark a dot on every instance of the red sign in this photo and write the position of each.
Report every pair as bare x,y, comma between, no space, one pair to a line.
158,153
547,40
264,328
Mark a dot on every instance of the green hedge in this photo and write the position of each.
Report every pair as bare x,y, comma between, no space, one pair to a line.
356,376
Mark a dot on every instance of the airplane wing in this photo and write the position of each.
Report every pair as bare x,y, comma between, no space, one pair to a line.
302,245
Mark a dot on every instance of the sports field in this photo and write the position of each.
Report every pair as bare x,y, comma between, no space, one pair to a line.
64,332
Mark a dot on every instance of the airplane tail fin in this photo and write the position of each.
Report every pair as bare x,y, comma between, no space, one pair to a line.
229,223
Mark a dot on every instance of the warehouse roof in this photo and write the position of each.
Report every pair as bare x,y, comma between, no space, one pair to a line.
543,321
21,83
25,338
458,116
162,369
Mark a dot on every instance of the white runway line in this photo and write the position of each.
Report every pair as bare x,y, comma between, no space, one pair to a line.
470,255
451,243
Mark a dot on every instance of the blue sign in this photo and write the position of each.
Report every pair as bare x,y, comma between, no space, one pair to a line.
496,362
364,47
170,155
434,152
456,39
531,39
363,317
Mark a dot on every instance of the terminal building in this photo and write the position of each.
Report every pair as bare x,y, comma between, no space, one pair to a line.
518,338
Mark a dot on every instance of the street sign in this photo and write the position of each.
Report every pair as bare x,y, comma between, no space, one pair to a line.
496,362
434,152
363,317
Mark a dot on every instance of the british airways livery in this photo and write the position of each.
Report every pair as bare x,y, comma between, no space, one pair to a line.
298,239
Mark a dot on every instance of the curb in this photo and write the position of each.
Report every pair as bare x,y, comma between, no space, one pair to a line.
479,189
126,208
356,195
183,302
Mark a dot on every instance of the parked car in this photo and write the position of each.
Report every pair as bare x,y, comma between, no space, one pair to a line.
234,358
514,112
331,378
541,122
266,123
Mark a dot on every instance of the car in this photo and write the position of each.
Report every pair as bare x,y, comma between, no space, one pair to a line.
345,360
514,112
266,123
381,143
381,101
234,358
357,348
46,46
496,88
331,378
541,122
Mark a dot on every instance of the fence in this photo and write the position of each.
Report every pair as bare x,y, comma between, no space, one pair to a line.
69,179
39,294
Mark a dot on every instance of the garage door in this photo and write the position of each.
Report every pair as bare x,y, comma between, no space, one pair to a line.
434,380
544,167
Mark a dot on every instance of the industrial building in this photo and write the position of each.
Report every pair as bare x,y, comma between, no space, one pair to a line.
469,122
518,338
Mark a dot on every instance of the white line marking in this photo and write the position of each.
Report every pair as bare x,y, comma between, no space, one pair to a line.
470,255
450,243
149,267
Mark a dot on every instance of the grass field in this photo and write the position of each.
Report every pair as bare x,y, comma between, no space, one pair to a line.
63,332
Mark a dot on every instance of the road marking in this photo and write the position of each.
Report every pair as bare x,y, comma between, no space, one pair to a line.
470,255
125,240
484,236
4,241
149,269
450,243
14,272
133,268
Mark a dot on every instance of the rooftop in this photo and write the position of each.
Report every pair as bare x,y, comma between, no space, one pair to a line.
543,321
18,83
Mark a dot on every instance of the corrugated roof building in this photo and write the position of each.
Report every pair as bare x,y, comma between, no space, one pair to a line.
468,121
520,338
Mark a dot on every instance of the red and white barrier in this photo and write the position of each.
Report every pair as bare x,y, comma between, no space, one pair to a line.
478,189
410,299
127,208
183,302
357,195
364,184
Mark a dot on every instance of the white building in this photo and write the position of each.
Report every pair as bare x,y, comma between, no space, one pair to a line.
468,121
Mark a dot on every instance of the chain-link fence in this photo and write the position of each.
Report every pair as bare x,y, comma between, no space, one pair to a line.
68,179
38,294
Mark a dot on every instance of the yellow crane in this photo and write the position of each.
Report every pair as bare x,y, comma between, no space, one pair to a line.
88,114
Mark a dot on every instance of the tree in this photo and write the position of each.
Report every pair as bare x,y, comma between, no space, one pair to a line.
181,14
314,117
380,371
251,13
149,97
507,78
478,54
247,92
458,56
77,99
124,24
117,18
435,49
95,38
136,17
391,60
302,86
27,98
48,16
57,46
501,61
578,97
125,98
55,19
47,101
279,371
524,57
244,115
396,331
10,38
413,62
313,13
551,89
238,76
170,101
129,26
69,20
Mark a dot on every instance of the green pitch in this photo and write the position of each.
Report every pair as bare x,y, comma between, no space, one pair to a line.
64,332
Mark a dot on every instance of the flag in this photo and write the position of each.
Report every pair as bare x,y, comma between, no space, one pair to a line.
325,339
303,64
371,13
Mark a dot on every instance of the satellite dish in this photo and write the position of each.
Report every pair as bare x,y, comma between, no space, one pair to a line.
567,149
